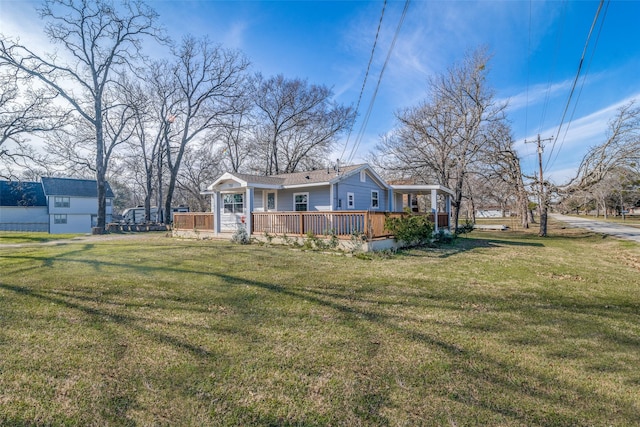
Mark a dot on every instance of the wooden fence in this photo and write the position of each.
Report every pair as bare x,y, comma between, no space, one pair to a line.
343,224
193,221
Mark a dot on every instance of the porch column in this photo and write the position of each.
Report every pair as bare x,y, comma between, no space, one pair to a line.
434,209
248,208
391,201
448,209
215,210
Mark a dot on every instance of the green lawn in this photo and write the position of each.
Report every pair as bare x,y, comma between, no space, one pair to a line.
11,237
501,328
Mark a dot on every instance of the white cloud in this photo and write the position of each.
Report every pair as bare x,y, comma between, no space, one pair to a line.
536,94
235,35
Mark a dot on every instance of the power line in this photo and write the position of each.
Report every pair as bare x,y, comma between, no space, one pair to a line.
575,81
584,79
375,93
366,75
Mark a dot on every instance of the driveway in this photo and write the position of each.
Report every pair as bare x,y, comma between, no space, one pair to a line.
609,228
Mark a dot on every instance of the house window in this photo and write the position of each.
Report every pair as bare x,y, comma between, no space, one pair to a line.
60,219
363,176
351,203
375,199
61,202
301,202
233,203
108,202
271,201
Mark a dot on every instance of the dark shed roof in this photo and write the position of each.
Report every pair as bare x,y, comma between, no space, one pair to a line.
73,187
16,193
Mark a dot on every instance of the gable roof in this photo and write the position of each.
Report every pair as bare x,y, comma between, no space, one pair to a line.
318,176
16,193
73,187
295,179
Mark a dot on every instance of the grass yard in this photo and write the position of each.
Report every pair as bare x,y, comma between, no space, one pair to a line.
498,328
11,237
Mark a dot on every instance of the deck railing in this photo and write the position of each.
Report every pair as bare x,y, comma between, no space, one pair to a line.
343,224
193,221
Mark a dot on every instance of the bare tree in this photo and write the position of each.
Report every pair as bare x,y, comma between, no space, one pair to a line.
199,166
234,138
209,80
442,137
297,122
502,164
25,111
98,40
621,148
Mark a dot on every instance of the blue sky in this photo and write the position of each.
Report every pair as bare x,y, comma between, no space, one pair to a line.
536,48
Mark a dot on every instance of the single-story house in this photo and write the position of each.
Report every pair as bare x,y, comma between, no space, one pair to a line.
54,205
341,201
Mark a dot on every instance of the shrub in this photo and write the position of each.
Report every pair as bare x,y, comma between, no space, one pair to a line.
241,236
410,229
467,227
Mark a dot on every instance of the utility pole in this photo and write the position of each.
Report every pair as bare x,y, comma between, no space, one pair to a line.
543,201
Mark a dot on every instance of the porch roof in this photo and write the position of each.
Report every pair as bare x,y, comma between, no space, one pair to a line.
420,189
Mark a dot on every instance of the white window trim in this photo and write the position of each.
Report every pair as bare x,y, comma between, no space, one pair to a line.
351,201
377,198
294,200
234,204
61,202
60,219
275,201
363,176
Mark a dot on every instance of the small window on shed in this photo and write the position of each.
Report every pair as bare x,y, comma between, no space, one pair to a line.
351,203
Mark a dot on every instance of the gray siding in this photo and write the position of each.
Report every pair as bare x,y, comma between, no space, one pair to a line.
318,198
361,192
258,203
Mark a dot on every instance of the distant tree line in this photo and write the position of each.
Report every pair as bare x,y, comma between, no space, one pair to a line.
158,129
153,128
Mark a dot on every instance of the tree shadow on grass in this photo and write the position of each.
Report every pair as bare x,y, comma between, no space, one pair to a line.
462,245
479,369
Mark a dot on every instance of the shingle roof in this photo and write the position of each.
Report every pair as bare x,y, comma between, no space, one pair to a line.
15,193
259,179
318,176
314,177
73,187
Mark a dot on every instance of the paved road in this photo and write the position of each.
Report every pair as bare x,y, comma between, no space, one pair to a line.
610,228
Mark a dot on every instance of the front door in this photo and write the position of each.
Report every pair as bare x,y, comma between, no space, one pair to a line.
270,202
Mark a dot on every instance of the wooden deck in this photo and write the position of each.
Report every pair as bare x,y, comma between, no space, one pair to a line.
343,224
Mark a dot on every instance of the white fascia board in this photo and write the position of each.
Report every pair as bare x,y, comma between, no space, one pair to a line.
424,187
378,178
315,184
347,174
226,177
265,186
356,171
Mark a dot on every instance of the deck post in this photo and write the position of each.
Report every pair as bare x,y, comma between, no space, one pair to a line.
301,224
